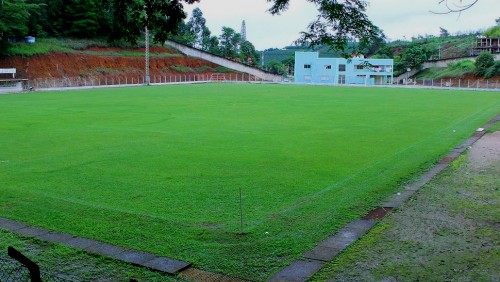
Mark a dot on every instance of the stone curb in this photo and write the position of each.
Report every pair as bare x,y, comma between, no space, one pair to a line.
151,261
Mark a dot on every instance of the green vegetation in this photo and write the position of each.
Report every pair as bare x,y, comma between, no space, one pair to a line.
75,46
484,61
455,70
493,32
160,168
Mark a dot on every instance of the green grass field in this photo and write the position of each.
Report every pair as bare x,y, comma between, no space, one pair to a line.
160,168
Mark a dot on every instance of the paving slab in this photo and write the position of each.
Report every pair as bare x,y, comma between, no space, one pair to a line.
11,225
323,253
55,237
299,270
134,257
360,224
32,231
168,265
80,243
104,249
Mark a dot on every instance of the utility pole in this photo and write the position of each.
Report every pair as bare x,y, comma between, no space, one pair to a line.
147,56
146,51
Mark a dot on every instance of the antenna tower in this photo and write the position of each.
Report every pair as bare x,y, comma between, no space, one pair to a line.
243,31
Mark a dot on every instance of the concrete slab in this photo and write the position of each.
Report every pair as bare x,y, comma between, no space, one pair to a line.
299,270
11,225
104,249
323,253
360,224
134,257
80,243
55,237
32,231
171,266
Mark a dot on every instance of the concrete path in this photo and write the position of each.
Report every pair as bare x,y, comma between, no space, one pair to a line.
164,264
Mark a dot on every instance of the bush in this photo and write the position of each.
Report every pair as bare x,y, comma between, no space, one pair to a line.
492,32
483,62
493,70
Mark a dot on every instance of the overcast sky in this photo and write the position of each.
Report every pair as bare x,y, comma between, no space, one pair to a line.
398,18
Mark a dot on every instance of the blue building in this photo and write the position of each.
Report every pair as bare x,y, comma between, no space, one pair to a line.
310,68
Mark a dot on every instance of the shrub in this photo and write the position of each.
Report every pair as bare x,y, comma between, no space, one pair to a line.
483,62
492,32
493,70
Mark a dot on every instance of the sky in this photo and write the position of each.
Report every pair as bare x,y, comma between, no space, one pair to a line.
399,19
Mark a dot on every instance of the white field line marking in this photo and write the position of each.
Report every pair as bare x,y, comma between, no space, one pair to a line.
341,183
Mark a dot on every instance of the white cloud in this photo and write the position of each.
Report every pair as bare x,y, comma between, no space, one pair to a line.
397,18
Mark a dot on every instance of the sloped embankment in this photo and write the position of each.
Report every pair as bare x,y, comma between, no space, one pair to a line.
109,62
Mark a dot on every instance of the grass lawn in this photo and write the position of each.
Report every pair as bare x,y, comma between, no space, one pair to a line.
160,168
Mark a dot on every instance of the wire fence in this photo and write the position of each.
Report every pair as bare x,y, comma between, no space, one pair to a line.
12,270
453,83
44,83
115,81
20,268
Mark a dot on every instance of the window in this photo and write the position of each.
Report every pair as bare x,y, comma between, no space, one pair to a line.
341,79
324,77
307,66
360,67
328,67
342,67
307,77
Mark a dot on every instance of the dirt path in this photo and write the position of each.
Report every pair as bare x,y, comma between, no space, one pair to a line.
448,231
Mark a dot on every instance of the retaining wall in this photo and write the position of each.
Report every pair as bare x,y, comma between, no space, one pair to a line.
193,52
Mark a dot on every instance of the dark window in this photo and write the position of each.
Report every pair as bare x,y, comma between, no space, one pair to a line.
341,67
328,67
307,66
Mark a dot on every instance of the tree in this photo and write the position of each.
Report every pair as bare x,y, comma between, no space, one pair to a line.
229,42
493,70
443,32
276,68
213,45
414,56
197,25
14,16
184,35
248,53
338,23
161,17
456,6
81,18
484,61
289,63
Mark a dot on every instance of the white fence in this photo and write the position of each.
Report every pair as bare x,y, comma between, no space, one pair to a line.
50,83
454,83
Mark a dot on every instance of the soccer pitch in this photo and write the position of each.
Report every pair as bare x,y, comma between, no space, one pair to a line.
160,169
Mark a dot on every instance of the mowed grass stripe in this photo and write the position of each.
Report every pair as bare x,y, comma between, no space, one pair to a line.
159,168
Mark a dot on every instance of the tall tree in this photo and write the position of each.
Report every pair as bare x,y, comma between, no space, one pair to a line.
338,22
81,18
14,16
161,17
229,42
414,56
443,32
197,24
248,53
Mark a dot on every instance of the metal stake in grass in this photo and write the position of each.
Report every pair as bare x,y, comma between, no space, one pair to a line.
241,213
